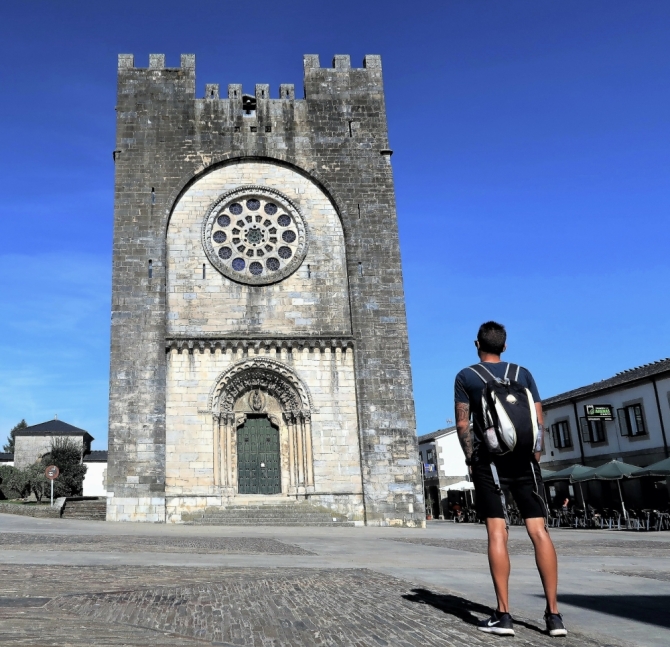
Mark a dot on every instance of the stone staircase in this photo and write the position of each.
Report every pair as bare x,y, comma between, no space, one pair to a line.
285,514
90,509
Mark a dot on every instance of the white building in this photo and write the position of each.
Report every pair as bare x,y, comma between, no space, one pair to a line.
443,464
625,417
33,442
96,473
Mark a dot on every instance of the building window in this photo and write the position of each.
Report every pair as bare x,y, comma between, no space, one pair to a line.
631,421
255,236
430,456
593,431
560,433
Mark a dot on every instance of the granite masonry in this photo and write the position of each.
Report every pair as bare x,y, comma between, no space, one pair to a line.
259,337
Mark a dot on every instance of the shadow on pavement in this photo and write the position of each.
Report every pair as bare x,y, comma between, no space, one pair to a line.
460,607
652,609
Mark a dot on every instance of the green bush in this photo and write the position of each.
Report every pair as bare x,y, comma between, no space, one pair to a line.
40,485
14,483
65,453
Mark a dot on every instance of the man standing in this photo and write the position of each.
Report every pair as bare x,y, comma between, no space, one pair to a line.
519,472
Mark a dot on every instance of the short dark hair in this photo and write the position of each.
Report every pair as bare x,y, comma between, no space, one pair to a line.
492,337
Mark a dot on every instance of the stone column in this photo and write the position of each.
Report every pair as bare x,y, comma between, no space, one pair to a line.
291,449
309,458
226,448
216,421
300,457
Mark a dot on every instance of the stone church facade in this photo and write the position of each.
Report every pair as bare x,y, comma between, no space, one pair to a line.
259,338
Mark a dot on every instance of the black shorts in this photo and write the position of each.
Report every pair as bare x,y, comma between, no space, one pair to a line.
524,484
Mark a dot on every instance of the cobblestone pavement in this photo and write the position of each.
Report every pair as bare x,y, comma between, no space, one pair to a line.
565,548
82,583
240,607
135,544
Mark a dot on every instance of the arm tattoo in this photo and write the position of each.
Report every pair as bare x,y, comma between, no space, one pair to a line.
463,428
462,411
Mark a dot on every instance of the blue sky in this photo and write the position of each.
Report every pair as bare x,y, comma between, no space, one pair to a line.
531,161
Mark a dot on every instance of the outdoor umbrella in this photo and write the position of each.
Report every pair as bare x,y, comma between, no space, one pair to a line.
461,485
612,471
546,474
566,473
662,468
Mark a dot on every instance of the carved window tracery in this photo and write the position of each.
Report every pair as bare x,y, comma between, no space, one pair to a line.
255,235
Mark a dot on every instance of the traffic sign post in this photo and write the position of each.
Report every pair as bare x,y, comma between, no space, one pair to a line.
52,473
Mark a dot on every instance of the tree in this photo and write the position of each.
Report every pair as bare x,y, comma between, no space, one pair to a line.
9,446
39,484
14,483
66,454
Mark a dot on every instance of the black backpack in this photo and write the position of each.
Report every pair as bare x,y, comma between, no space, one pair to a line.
510,418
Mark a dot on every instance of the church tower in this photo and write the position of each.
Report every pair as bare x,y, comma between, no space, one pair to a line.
259,337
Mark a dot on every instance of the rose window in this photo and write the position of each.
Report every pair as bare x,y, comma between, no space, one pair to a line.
255,235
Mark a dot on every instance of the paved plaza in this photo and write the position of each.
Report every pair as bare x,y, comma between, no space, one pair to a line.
96,583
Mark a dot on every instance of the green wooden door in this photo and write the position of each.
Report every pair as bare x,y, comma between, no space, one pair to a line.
258,457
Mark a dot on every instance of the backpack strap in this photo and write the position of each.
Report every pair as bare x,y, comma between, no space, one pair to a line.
541,496
483,373
500,492
512,372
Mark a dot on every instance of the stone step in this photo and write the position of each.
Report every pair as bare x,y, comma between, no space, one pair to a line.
299,507
85,507
93,510
269,513
268,522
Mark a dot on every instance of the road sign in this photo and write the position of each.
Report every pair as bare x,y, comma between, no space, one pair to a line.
52,473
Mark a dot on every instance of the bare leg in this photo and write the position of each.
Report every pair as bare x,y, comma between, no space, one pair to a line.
545,558
499,561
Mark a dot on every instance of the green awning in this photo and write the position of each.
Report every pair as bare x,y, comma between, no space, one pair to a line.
566,473
546,474
612,471
662,468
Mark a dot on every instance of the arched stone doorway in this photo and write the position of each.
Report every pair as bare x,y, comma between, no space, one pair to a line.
255,396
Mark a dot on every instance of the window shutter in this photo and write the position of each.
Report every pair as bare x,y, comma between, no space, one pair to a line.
623,422
586,432
554,436
568,437
639,420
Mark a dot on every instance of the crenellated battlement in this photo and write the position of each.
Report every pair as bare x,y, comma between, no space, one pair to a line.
156,62
340,78
342,62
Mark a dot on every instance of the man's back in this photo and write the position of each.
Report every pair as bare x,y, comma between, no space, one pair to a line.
517,472
468,389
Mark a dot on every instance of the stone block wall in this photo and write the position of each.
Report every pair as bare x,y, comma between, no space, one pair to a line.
314,300
328,373
29,449
336,137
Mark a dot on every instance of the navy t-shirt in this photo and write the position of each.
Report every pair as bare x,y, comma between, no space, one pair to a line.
469,388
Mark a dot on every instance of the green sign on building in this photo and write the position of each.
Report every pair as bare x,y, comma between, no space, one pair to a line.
599,411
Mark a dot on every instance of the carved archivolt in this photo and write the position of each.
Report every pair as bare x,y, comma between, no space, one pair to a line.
254,379
264,375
